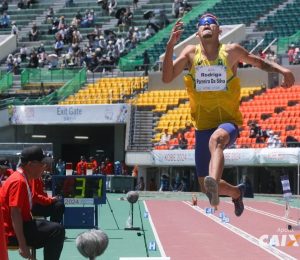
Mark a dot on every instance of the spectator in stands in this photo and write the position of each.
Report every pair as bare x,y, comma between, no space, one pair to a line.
81,166
135,4
259,139
78,19
137,34
274,142
50,15
97,32
104,6
175,8
14,29
174,133
141,184
112,7
5,20
186,6
163,20
34,33
33,61
4,6
16,199
10,63
214,132
21,4
165,137
69,3
59,47
24,52
17,64
188,127
291,141
182,141
60,167
149,32
254,130
271,56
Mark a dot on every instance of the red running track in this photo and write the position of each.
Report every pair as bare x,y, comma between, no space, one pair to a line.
186,233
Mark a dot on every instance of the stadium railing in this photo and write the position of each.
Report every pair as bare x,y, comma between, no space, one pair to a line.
6,81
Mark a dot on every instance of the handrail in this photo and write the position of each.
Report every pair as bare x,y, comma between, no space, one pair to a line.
270,44
257,45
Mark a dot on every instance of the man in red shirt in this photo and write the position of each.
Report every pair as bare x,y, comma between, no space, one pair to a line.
3,248
94,165
109,167
16,199
43,205
81,166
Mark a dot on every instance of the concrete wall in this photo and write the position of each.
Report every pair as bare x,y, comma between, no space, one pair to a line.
8,43
4,118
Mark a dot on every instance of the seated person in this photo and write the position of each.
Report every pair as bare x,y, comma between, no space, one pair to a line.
4,6
16,204
34,33
42,204
5,170
5,20
165,137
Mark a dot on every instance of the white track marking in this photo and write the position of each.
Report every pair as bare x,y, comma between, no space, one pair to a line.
265,213
158,242
243,234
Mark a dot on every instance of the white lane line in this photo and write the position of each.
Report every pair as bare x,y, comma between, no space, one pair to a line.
158,242
252,239
276,203
265,213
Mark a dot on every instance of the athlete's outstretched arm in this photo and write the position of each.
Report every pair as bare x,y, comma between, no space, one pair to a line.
243,55
171,69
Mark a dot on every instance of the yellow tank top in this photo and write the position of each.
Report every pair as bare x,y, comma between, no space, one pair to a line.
209,109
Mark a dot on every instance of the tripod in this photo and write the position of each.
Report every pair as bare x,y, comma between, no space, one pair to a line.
112,213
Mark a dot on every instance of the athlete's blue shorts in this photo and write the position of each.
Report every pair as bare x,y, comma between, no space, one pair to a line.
202,153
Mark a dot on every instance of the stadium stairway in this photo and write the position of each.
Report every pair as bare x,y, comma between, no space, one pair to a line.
141,129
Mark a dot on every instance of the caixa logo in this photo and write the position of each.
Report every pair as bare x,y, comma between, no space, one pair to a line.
282,240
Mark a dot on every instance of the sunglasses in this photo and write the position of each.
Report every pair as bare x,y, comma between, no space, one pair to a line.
207,21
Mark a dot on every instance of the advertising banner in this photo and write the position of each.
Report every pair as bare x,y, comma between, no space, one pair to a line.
233,157
69,114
